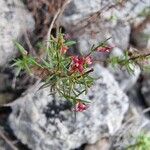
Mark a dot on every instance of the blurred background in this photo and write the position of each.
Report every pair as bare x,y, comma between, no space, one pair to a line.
31,120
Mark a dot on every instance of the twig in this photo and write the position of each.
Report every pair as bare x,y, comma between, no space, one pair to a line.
50,28
8,141
87,72
31,49
146,110
142,55
61,12
58,14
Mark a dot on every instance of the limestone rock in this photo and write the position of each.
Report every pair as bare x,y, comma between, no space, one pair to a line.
123,10
103,144
135,124
15,19
46,122
119,37
91,21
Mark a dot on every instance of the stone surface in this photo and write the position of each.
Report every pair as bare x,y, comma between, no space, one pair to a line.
98,31
103,144
134,125
45,122
125,79
121,10
101,31
91,21
15,19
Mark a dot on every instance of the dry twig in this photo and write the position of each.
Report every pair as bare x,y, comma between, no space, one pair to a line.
31,49
50,28
8,141
59,12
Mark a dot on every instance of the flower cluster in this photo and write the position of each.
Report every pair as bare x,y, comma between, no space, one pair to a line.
78,63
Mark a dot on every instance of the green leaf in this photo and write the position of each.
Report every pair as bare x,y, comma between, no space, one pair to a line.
70,43
21,49
16,63
17,71
84,101
33,62
48,65
27,68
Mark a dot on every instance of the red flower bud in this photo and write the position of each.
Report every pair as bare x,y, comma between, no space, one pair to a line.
80,107
104,48
64,49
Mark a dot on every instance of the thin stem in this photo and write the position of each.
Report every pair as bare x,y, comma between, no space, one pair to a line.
50,28
136,57
87,72
8,141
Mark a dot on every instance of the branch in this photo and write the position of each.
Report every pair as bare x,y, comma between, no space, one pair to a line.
59,12
142,55
8,141
50,28
31,49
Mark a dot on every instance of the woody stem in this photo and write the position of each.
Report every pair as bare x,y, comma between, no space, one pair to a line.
136,57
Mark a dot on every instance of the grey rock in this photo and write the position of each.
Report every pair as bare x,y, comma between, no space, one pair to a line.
128,10
112,22
15,19
103,144
120,35
77,10
45,122
125,79
135,124
101,31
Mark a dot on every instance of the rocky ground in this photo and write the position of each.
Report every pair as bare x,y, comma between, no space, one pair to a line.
34,120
